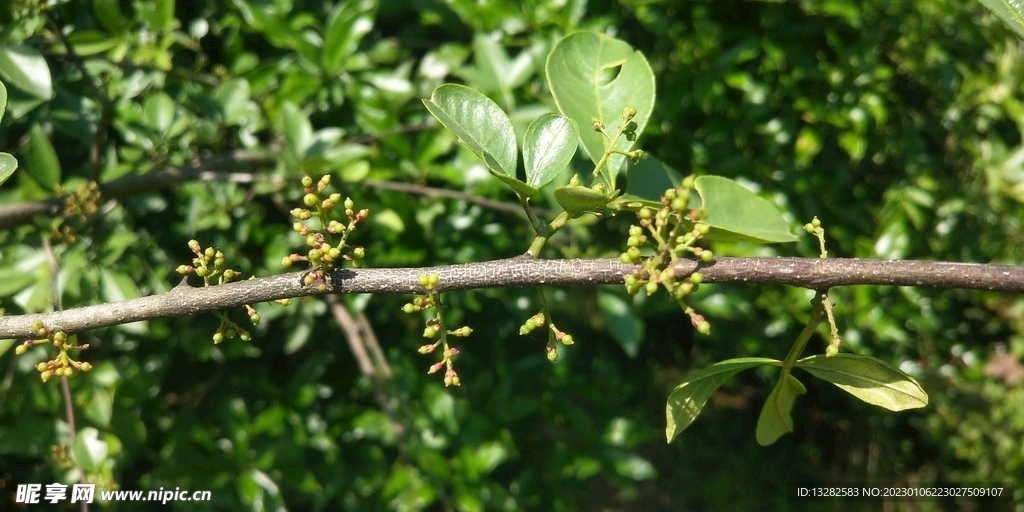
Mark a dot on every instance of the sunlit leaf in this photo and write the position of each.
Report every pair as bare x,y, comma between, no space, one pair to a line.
8,164
735,213
593,75
868,379
548,146
1010,11
688,398
25,68
479,123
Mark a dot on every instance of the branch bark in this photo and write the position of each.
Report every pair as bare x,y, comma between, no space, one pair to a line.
813,273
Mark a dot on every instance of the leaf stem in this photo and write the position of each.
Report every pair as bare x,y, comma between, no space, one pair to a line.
804,337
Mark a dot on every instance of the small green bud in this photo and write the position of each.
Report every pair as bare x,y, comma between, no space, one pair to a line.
245,336
230,274
286,261
696,278
349,203
182,269
423,280
314,255
210,252
324,181
704,327
334,253
42,367
358,253
86,367
624,258
309,200
45,375
254,318
194,245
218,337
702,228
60,337
678,205
38,326
635,230
307,181
634,253
311,240
596,124
426,349
689,181
809,228
20,350
707,256
552,354
651,288
628,113
335,198
815,222
430,331
202,272
409,308
644,213
567,339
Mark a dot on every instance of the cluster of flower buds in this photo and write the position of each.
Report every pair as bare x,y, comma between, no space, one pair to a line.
62,365
673,229
435,326
323,252
210,263
207,264
554,335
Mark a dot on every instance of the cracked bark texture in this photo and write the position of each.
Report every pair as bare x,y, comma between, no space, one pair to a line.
813,273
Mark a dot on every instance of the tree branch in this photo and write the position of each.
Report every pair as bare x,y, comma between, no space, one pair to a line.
814,273
125,186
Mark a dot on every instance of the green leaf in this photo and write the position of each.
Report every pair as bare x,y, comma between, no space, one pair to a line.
776,419
516,184
479,123
738,214
8,164
575,198
296,127
622,322
647,181
3,100
88,450
40,160
108,12
233,98
548,146
25,68
158,112
1010,11
868,379
688,398
593,75
347,23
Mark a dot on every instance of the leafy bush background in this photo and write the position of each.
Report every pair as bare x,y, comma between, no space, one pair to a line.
898,123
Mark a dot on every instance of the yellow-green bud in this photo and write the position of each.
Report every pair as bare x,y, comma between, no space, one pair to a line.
309,200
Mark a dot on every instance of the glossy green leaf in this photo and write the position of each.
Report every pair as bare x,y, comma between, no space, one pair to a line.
88,450
548,146
158,112
3,100
593,75
622,321
735,213
688,398
40,160
577,199
1010,11
8,164
479,123
776,416
347,23
92,42
868,379
25,68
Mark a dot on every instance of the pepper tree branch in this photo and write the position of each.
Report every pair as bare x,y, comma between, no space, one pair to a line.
813,273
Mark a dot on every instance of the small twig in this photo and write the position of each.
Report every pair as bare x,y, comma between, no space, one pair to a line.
451,194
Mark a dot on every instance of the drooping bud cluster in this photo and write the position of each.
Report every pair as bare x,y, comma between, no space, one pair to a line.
62,365
673,230
554,334
434,326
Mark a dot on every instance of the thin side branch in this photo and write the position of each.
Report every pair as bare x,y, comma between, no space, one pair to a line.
813,273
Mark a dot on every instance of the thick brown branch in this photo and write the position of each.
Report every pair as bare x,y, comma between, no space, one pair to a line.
812,273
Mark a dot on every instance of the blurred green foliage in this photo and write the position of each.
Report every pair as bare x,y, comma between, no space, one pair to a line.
897,122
